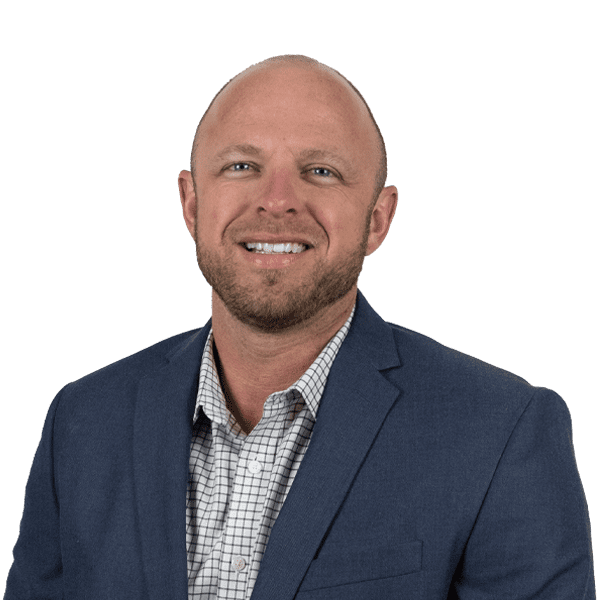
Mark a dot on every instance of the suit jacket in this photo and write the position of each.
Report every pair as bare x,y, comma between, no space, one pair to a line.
430,475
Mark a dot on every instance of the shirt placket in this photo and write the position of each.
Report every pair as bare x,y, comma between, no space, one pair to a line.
250,484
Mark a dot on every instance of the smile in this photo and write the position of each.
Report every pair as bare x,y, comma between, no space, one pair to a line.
264,248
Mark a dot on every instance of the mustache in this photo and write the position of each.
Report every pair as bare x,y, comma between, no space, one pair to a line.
241,233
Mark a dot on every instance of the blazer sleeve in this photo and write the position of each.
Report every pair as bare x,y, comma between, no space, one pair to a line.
531,539
36,571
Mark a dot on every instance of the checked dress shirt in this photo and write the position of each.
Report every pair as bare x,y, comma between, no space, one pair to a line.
237,482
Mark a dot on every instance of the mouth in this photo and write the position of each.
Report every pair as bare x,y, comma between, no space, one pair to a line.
280,248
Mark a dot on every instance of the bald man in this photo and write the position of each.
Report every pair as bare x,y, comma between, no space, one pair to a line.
298,446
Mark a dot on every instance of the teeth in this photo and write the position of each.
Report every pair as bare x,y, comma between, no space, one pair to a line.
263,248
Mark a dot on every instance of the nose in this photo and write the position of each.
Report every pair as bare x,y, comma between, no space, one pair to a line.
279,197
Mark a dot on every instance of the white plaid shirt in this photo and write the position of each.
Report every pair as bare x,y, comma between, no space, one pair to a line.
238,482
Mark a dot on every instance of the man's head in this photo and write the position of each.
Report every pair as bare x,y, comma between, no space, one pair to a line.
288,152
305,61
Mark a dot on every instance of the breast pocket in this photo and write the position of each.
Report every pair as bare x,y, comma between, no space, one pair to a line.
342,565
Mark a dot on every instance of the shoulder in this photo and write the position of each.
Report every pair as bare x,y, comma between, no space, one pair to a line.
451,397
426,354
459,384
110,387
139,364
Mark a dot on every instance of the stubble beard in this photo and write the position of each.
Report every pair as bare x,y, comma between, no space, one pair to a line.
280,302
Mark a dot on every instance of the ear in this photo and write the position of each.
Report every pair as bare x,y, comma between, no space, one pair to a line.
188,200
381,217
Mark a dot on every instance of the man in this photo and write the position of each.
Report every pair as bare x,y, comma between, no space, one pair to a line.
298,446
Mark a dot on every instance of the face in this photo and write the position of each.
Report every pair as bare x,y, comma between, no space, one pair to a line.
286,163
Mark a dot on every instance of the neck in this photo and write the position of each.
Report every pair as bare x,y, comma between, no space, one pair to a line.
253,364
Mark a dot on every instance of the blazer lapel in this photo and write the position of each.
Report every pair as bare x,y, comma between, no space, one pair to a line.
355,403
162,437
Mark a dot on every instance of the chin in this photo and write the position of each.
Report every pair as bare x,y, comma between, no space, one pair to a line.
275,313
270,305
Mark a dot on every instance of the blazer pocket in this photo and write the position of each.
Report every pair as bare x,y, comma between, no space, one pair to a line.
341,564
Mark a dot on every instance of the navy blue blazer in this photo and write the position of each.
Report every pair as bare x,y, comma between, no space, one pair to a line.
430,475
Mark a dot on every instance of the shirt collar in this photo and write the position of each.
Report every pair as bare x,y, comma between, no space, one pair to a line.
309,386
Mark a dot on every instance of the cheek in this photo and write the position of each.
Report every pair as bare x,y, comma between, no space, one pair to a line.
217,209
344,227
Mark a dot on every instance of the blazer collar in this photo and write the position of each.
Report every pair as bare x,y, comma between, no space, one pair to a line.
162,437
354,405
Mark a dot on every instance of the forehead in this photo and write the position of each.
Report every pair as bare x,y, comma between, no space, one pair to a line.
302,106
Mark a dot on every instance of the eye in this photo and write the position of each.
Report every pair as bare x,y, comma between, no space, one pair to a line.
241,166
322,171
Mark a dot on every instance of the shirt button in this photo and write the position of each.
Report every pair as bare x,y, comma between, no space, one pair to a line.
238,563
254,466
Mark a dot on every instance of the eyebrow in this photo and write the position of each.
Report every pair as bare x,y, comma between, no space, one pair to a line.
318,154
245,149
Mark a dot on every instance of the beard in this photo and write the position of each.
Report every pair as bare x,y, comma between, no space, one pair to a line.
280,301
